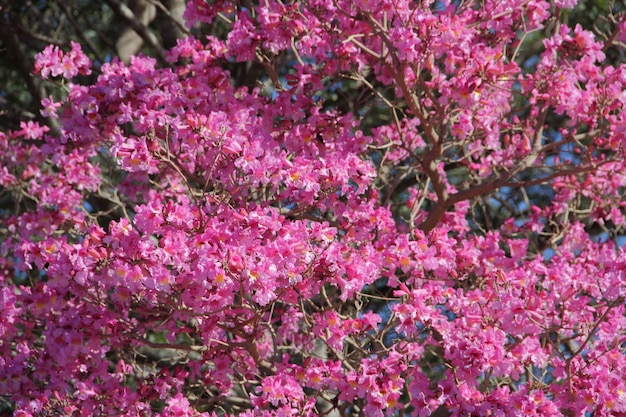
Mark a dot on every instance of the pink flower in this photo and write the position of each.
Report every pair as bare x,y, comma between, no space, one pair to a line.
32,130
49,107
54,62
178,406
566,4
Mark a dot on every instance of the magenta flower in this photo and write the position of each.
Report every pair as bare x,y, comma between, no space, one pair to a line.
54,62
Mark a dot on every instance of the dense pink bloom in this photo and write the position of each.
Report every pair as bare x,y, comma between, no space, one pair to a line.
181,245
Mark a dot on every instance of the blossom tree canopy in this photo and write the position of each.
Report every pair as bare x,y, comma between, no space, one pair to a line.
445,242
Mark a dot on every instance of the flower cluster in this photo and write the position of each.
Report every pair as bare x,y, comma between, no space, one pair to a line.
183,246
54,62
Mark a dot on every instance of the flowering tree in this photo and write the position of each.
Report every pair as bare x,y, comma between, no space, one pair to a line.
104,29
181,246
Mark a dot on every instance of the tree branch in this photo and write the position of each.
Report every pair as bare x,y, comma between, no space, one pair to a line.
131,19
438,211
23,63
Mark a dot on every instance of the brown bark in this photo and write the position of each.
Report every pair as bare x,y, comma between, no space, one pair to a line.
137,18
